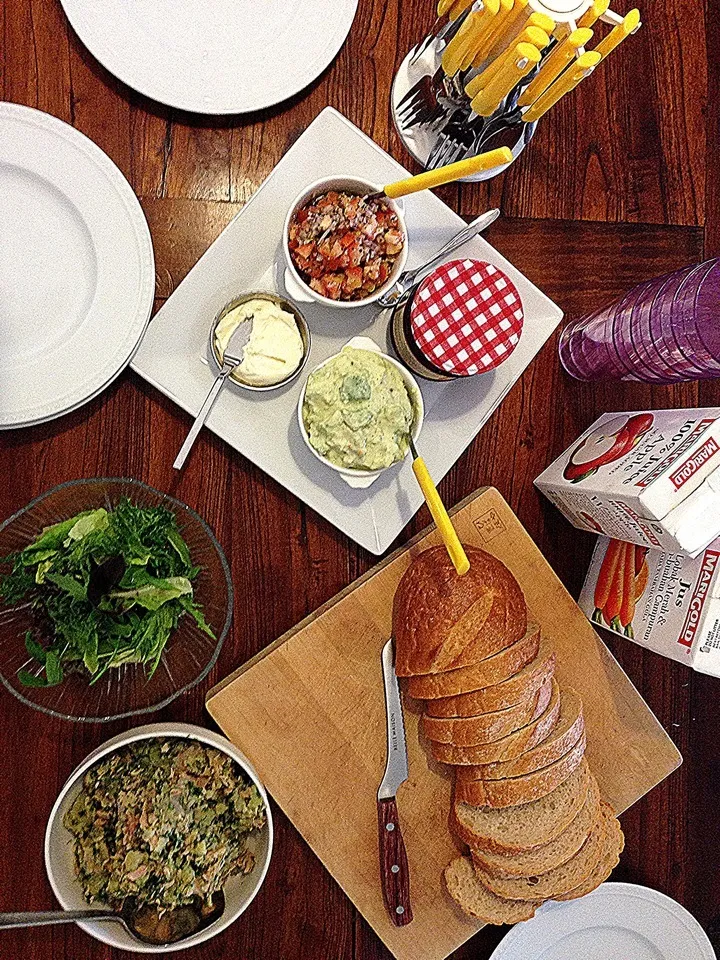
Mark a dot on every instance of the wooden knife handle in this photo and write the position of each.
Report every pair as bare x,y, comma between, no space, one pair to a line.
394,870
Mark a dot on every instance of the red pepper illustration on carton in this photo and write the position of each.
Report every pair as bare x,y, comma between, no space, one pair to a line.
608,443
622,580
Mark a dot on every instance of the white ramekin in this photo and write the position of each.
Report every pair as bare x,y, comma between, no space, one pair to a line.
351,476
295,285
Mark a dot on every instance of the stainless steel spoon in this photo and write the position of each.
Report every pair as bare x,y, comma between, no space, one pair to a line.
231,358
144,924
407,280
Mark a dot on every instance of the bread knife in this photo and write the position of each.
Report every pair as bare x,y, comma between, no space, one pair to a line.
394,870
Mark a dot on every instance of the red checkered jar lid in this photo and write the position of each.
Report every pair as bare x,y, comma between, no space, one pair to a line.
466,317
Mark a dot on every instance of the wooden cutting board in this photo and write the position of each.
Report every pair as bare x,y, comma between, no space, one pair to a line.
309,713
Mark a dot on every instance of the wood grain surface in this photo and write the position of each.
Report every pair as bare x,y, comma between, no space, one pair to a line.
620,184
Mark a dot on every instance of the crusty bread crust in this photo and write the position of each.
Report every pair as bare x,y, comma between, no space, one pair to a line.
442,621
500,695
569,729
485,673
517,790
507,747
485,727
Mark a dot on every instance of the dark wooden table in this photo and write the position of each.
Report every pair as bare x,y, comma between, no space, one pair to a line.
620,184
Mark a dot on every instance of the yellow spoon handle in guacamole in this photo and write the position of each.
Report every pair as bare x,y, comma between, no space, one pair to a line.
449,173
440,516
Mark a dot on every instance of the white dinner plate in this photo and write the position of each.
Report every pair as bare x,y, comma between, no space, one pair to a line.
77,276
217,56
263,427
618,921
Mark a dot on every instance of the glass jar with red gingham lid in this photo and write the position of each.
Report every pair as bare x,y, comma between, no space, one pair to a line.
464,318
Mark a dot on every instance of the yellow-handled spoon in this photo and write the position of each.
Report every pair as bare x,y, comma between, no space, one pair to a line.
439,513
526,56
556,61
629,25
584,65
593,13
534,35
446,174
476,24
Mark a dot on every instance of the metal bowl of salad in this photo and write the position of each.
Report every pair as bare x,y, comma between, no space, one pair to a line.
164,815
114,599
341,249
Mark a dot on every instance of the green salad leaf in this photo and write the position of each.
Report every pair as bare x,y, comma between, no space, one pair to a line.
106,587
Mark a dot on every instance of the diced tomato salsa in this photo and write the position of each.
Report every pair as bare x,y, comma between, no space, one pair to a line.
345,246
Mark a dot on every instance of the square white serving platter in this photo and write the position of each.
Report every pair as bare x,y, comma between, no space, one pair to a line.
263,426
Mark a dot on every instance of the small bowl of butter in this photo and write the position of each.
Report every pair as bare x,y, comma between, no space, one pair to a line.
278,344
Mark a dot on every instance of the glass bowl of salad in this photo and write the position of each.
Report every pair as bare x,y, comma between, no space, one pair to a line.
208,828
115,598
341,249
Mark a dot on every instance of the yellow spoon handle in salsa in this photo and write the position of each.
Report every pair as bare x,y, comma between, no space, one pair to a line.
440,516
449,173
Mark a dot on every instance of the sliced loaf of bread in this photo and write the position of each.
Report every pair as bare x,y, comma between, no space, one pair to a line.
484,673
555,882
518,790
514,829
549,855
486,727
507,747
612,848
477,901
514,690
567,732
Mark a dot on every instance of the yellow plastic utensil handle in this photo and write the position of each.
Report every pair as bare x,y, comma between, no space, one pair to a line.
488,100
554,65
485,22
467,37
584,65
441,518
453,171
630,24
534,35
453,7
593,13
502,27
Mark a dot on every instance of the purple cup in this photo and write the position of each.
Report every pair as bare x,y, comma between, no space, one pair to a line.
662,331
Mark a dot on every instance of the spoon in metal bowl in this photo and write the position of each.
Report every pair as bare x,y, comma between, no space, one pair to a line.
231,358
145,924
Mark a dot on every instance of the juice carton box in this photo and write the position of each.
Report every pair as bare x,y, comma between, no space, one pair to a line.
651,478
667,602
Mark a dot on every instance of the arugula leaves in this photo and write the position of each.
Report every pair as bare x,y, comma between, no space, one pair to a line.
107,588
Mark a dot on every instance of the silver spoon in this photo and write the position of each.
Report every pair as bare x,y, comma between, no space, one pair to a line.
407,280
231,358
144,923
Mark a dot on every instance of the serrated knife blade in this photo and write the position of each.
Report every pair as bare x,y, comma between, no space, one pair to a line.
394,869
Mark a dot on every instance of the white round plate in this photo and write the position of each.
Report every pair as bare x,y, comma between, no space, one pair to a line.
77,275
217,56
618,921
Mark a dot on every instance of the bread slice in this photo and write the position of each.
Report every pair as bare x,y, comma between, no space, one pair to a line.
484,673
556,882
525,789
506,747
485,727
442,621
513,829
613,847
477,901
549,855
569,729
514,690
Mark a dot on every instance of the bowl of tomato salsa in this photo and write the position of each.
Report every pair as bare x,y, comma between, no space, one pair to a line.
343,249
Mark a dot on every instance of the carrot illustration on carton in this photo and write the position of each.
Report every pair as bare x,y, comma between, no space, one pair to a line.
622,580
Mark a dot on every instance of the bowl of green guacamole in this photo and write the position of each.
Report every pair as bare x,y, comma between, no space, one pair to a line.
358,411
